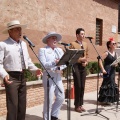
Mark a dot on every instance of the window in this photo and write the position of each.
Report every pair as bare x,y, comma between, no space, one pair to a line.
99,29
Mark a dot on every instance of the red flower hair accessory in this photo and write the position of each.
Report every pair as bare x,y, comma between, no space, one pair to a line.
111,39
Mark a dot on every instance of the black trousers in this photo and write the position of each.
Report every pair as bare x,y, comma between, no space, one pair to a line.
16,96
79,75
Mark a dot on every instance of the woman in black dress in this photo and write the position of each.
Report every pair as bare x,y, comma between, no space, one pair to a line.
108,91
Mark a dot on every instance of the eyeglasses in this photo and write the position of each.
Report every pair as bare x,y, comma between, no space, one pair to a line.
114,43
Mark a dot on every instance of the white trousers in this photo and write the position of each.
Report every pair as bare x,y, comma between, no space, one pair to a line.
56,98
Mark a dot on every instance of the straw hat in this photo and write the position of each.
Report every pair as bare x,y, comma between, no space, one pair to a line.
59,37
13,24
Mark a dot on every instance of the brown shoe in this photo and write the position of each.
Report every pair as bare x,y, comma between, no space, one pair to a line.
77,109
82,108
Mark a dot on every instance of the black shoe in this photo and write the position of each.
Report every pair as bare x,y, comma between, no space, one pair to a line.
54,118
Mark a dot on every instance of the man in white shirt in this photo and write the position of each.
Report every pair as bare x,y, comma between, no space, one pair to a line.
14,59
49,56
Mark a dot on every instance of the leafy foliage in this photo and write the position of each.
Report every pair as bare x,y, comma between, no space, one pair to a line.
30,76
91,68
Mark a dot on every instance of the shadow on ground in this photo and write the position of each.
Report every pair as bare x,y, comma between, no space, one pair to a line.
91,101
33,117
95,111
64,107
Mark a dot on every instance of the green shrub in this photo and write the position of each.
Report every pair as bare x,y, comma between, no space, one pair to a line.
30,76
118,69
92,68
38,65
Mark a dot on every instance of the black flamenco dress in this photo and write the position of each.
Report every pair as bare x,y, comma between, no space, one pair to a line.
108,91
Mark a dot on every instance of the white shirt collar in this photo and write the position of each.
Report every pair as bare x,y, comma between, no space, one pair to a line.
79,42
14,41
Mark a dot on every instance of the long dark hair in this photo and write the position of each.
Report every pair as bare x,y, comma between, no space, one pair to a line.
107,44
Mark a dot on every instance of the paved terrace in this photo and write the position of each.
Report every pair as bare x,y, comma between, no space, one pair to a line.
35,113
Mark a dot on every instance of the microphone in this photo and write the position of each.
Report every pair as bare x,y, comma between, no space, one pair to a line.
89,37
65,44
30,43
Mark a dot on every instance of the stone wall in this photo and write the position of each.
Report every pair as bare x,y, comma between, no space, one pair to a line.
63,16
35,92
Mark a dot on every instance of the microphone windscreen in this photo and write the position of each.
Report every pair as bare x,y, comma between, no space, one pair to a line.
24,36
59,42
89,37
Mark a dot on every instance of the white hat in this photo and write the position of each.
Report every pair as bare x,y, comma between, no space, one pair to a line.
59,37
13,24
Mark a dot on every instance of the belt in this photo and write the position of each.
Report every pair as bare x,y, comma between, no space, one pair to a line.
16,72
54,71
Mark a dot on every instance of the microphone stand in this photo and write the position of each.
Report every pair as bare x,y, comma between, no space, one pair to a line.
98,59
68,92
68,88
68,100
69,66
49,77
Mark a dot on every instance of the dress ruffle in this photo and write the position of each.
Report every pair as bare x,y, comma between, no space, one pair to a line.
108,93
